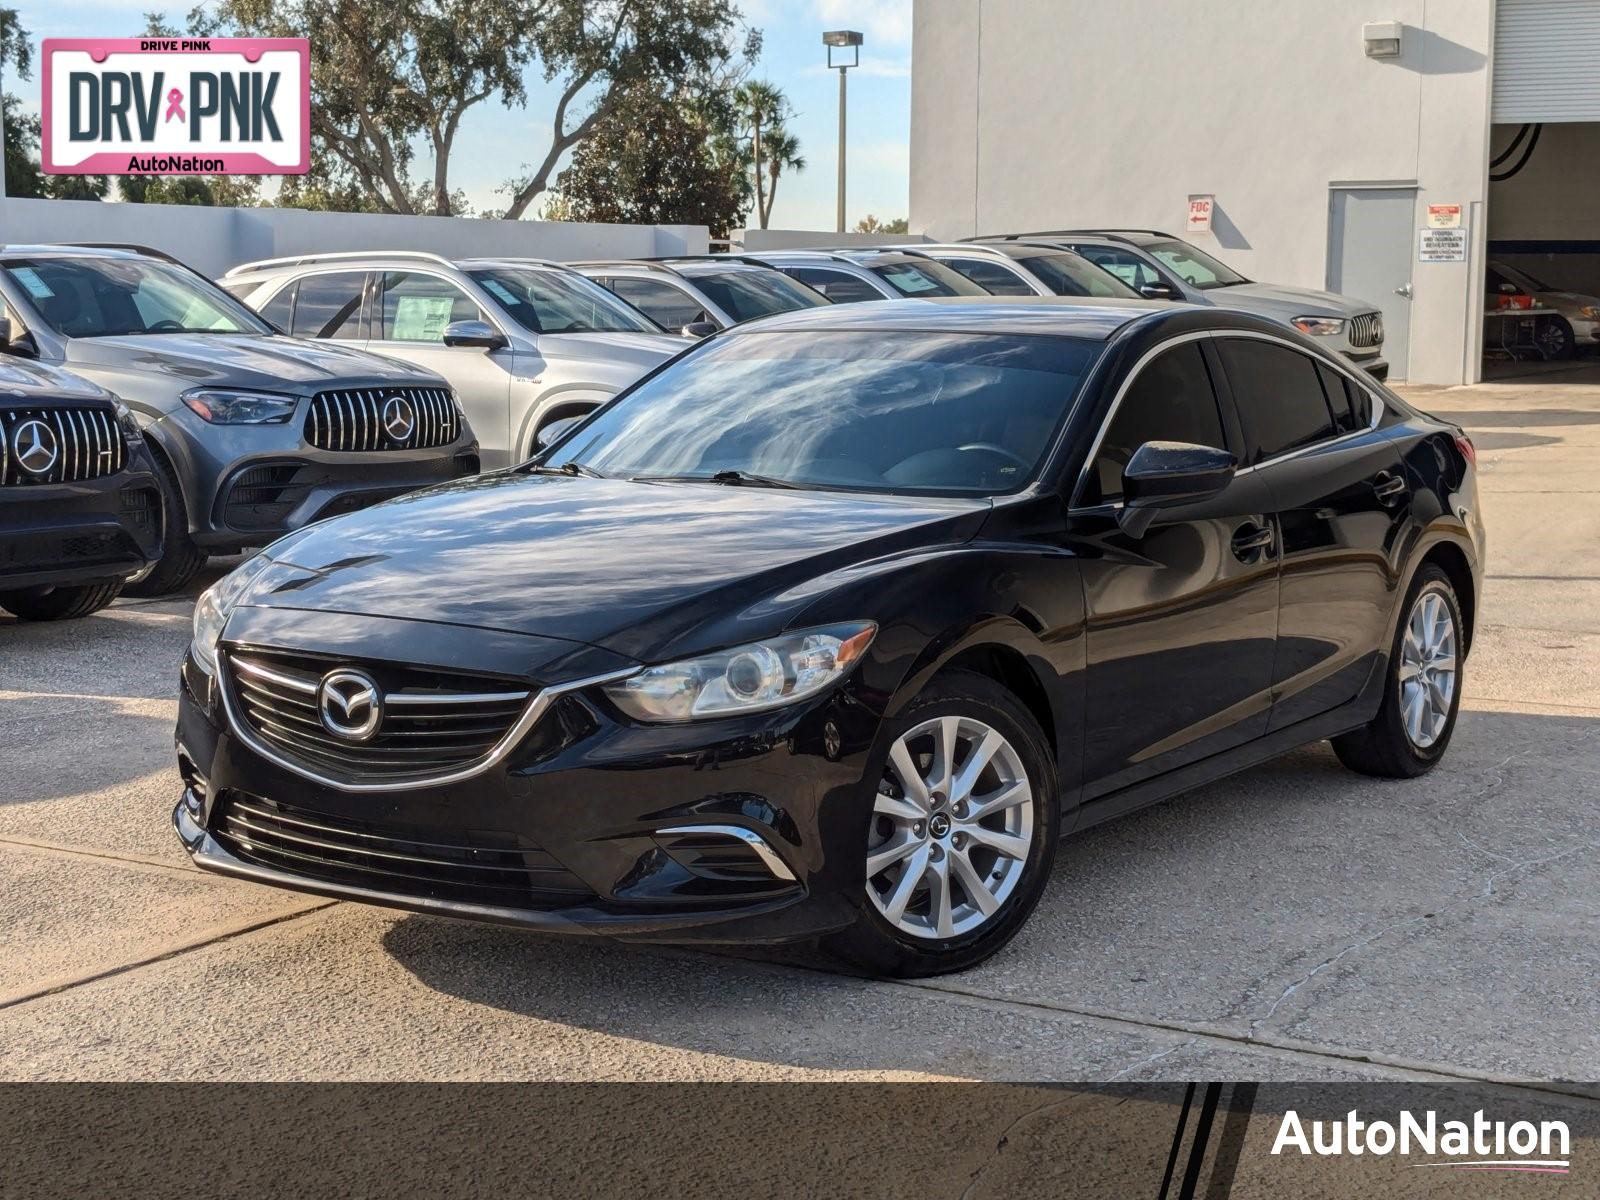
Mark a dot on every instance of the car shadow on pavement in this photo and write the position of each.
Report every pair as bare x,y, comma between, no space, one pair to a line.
1213,907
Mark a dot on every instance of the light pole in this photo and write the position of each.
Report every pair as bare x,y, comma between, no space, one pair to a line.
842,39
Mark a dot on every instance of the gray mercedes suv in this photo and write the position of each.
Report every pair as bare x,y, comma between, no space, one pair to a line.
254,433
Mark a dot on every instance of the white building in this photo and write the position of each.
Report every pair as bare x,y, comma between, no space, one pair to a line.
1322,153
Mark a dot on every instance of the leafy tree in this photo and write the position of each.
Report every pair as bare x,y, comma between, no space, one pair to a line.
871,224
653,159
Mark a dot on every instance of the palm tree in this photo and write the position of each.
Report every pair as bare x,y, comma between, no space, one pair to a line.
762,110
783,153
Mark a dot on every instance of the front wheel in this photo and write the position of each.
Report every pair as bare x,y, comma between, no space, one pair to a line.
1423,691
181,560
60,603
963,832
1555,338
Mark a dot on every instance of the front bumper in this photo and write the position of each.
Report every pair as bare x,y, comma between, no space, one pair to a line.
602,809
83,532
248,485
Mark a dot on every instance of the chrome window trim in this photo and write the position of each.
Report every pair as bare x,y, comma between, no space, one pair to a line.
1376,400
536,708
768,856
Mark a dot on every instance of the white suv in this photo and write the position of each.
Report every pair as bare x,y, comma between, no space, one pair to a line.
524,342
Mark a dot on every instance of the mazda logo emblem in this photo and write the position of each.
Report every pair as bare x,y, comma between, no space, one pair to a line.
350,705
399,418
35,446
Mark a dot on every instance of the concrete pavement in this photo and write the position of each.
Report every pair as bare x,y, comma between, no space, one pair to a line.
1294,923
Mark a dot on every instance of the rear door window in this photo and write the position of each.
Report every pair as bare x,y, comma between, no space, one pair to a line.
1278,395
990,275
280,309
1170,400
329,306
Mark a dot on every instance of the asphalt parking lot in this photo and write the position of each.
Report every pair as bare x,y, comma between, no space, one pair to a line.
1295,923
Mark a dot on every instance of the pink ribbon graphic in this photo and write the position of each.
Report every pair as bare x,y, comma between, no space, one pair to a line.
175,105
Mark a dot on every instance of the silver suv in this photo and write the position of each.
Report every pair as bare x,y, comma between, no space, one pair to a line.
253,434
850,276
1018,269
699,296
525,342
1162,267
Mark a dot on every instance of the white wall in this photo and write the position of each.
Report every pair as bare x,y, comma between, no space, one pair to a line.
213,239
1031,114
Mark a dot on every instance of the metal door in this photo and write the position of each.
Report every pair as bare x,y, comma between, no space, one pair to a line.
1371,247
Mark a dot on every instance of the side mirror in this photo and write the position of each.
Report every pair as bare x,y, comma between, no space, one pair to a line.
1157,291
699,329
1508,289
552,433
1167,474
22,345
479,334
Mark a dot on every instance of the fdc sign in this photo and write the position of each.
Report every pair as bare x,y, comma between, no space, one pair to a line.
176,106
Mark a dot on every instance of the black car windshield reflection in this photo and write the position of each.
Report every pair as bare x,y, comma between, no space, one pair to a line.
896,412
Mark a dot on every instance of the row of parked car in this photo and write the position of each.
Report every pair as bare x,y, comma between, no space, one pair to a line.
150,418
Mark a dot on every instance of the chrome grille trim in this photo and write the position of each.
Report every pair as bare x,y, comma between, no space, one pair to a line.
1364,331
532,709
351,420
89,444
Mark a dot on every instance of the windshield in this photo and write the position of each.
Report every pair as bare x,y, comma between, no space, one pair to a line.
107,297
548,301
745,295
1195,267
1521,278
1073,275
924,277
878,411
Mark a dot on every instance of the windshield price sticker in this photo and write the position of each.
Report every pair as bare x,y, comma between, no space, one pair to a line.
176,106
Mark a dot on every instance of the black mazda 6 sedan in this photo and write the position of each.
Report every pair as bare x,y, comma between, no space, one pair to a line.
830,628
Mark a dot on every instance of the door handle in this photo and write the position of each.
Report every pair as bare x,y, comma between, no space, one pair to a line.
1249,540
1403,290
1388,488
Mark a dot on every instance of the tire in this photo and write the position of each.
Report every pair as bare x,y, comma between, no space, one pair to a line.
881,945
1555,338
181,560
1386,747
60,603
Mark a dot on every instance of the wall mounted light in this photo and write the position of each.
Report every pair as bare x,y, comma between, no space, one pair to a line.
1381,39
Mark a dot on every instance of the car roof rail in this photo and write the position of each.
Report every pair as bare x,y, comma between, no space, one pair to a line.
649,264
1120,235
299,260
131,247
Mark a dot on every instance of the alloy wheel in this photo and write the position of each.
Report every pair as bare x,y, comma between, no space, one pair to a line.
1427,670
952,828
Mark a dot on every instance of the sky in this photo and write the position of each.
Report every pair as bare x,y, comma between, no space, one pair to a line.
494,138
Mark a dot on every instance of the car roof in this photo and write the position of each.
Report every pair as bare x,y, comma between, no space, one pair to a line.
1076,316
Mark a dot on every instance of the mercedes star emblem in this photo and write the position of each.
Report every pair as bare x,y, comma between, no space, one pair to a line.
399,418
35,446
350,705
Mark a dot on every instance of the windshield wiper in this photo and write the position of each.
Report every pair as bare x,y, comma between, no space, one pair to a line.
728,478
569,468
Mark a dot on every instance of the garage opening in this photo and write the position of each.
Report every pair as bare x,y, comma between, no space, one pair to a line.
1541,283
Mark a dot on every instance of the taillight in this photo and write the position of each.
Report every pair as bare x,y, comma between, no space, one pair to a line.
1468,450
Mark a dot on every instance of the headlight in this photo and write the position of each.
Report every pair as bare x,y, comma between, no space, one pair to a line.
1590,311
1319,326
216,602
761,675
128,422
225,406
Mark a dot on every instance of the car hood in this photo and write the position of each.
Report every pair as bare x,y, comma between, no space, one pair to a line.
642,569
638,352
241,360
1276,300
1566,300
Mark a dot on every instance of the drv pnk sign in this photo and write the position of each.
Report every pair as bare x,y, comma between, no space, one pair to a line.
176,106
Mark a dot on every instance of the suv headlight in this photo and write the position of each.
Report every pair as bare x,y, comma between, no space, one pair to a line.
1590,312
1319,326
749,678
228,406
216,603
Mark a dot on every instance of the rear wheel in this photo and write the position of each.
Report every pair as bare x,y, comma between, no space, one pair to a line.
181,560
60,603
1412,729
963,832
